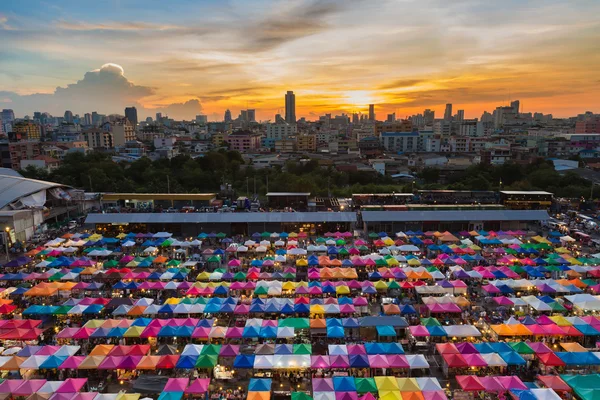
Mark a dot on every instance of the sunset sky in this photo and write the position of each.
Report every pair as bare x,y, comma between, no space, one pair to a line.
185,57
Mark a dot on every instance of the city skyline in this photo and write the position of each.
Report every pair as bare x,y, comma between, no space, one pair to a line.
335,56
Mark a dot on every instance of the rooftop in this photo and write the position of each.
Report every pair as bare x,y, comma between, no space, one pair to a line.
454,216
221,218
283,194
527,192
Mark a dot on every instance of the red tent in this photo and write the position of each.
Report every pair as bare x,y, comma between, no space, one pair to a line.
470,383
455,360
551,360
554,382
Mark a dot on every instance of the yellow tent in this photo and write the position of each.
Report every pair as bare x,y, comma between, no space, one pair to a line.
408,385
386,383
389,395
342,290
94,323
560,320
302,263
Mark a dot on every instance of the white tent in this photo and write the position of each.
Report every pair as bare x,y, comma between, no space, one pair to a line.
52,387
144,301
162,235
567,239
129,243
122,310
494,360
338,350
263,362
416,361
182,309
321,396
296,251
462,331
261,249
409,248
150,249
428,384
217,332
67,350
33,362
192,350
249,243
285,332
545,394
152,309
77,310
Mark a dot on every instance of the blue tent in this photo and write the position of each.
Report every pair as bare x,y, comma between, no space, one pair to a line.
244,361
100,333
407,309
358,361
587,330
500,347
168,308
301,308
116,332
484,348
284,349
93,309
251,331
523,394
436,331
386,330
187,362
335,331
170,396
393,348
344,384
141,322
512,358
268,332
260,385
350,323
584,358
53,362
374,348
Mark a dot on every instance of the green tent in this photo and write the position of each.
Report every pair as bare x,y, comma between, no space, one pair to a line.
239,276
582,382
373,235
214,259
111,264
521,347
221,235
365,385
380,262
430,321
321,240
62,310
340,242
296,323
206,361
301,396
588,394
265,234
393,285
210,350
56,277
261,290
173,263
555,306
289,275
166,243
343,251
302,349
363,248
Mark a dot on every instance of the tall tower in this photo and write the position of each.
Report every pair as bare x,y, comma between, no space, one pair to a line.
290,107
131,115
227,117
448,112
371,112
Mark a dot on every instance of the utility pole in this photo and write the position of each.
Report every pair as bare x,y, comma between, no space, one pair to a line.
5,237
247,188
168,185
267,183
254,186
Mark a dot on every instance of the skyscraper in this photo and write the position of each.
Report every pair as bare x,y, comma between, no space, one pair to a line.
227,117
460,115
68,117
131,115
158,117
428,116
371,112
8,116
87,119
251,115
516,106
290,107
448,112
355,118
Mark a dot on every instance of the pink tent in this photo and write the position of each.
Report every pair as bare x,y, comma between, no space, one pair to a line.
83,333
198,386
201,332
397,361
47,350
322,385
475,360
367,396
356,349
492,384
490,288
234,332
10,385
72,362
319,362
28,387
360,301
503,300
435,395
110,362
229,350
72,385
540,348
346,396
419,330
339,361
378,361
63,396
67,333
176,385
511,382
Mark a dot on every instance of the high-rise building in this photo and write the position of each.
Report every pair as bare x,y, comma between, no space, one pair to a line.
96,118
428,116
202,119
87,119
371,112
355,118
448,112
516,106
158,117
227,117
68,117
8,116
131,115
391,117
290,107
243,115
27,130
460,115
251,115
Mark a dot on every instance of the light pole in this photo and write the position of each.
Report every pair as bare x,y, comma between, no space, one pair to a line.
5,237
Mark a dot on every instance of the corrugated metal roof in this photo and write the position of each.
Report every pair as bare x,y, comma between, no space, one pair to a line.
468,215
14,187
221,218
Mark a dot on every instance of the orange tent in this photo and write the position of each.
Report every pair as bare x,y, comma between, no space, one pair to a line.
160,260
412,396
136,310
335,263
13,364
520,330
148,362
92,362
318,323
391,309
101,349
502,330
573,347
259,395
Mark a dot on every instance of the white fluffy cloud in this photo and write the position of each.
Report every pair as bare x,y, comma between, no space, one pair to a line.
105,90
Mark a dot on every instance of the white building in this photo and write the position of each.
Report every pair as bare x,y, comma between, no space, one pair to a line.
280,130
